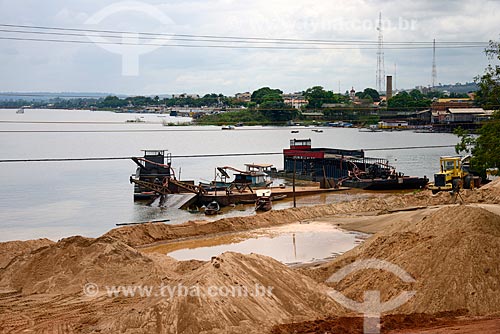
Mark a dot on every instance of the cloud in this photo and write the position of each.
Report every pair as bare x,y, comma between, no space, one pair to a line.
63,67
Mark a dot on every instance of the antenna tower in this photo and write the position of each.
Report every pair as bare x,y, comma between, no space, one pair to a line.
380,57
434,71
395,86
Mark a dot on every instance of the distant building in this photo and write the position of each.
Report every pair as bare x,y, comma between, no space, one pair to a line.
296,100
466,115
424,116
393,124
185,96
439,108
352,94
244,97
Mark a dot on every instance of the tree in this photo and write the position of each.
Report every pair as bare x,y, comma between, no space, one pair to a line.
484,147
409,101
259,94
317,96
375,96
112,102
488,94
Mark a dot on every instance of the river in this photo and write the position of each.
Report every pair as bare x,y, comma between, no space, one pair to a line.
60,199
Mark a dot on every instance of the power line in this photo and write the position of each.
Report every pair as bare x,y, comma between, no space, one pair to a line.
319,44
204,155
230,37
308,42
220,46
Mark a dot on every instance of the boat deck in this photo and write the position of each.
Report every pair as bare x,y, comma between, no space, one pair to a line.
237,197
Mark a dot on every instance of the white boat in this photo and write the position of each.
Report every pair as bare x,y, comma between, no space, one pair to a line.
21,110
212,208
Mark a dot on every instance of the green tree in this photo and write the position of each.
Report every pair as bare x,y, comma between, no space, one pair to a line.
484,147
112,102
259,94
375,96
317,96
488,94
409,101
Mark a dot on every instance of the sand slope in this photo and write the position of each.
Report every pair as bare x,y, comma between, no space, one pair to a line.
452,255
11,249
49,284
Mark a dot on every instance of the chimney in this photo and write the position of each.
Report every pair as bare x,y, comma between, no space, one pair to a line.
388,91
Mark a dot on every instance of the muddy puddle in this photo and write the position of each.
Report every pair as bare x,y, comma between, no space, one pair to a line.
290,244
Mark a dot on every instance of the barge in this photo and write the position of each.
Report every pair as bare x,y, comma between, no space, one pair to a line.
154,167
348,168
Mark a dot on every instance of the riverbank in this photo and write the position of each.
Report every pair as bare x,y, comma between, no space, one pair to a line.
44,285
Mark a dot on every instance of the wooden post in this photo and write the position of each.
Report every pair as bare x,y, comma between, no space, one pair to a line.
293,181
215,182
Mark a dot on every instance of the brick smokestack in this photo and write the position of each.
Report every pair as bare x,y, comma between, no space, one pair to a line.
388,91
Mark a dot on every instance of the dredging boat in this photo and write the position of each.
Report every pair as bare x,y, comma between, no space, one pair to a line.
348,168
255,176
153,168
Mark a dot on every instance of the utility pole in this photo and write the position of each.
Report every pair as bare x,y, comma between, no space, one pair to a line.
293,181
380,57
395,87
434,71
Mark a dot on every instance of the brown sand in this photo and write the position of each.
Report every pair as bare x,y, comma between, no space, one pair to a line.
11,249
150,233
46,289
440,323
452,254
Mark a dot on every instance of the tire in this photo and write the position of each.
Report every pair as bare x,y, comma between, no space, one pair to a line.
467,181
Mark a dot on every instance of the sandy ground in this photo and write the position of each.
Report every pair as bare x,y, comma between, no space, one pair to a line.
451,250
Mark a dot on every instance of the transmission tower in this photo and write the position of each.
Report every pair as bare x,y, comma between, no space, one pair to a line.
395,83
434,71
380,57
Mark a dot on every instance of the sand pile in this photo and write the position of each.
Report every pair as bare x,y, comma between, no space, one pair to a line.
252,292
293,297
149,233
452,255
64,267
11,249
489,193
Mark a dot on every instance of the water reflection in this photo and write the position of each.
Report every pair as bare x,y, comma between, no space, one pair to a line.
294,243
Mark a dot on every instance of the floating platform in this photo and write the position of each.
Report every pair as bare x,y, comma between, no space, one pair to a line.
225,199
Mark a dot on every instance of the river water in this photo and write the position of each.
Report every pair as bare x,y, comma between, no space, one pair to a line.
59,199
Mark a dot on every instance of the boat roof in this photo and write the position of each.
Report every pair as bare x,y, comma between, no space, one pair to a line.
259,165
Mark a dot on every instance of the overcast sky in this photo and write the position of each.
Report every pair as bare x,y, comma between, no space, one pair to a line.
62,67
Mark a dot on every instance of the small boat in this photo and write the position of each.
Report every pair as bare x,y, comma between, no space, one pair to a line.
136,120
278,197
212,208
193,209
264,201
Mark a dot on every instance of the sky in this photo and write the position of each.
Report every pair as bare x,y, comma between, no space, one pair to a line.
28,66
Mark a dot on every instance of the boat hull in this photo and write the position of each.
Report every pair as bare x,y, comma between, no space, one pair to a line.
404,183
